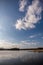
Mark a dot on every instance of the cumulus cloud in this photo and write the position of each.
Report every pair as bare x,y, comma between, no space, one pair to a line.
19,24
22,5
32,16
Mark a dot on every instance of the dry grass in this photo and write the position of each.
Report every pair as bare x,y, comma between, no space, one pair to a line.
37,50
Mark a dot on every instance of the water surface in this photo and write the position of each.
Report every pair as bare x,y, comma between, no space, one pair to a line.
21,58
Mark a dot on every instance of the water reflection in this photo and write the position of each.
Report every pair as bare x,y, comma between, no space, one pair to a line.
20,58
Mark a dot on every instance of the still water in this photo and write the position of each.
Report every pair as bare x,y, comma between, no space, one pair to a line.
21,58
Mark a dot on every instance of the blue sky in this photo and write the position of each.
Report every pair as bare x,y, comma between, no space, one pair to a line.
21,23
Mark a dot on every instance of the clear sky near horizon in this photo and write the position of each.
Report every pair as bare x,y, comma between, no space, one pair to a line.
21,23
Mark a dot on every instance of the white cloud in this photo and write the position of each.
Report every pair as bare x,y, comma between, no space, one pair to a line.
32,36
22,44
25,44
22,5
32,16
19,24
28,43
35,35
6,44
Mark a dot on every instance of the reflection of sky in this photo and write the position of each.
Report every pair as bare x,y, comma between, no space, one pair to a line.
23,56
9,14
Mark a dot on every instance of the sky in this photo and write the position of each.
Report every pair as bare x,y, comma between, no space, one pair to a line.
21,23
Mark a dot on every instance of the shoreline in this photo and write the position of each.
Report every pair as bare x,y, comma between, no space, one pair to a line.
32,50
